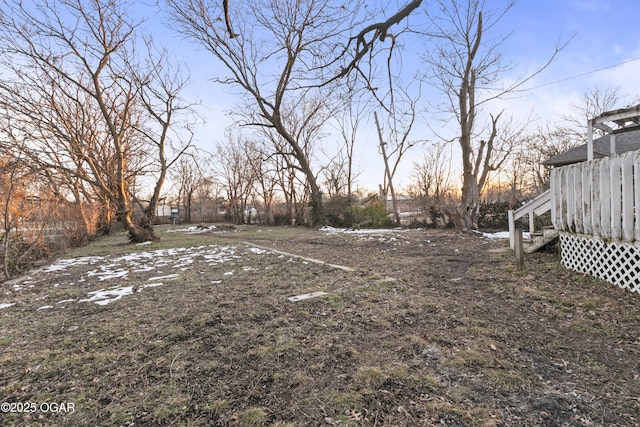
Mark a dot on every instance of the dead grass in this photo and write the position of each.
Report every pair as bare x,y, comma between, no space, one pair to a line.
458,338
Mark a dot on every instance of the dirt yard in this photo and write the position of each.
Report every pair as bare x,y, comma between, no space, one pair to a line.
415,328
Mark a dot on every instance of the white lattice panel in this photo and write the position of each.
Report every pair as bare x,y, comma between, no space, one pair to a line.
615,262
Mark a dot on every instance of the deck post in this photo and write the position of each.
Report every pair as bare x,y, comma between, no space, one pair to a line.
612,144
590,139
532,223
519,250
512,229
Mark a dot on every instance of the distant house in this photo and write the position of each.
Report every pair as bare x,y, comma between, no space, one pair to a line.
594,201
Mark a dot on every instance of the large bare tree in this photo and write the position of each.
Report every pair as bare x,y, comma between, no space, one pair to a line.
466,66
96,101
283,53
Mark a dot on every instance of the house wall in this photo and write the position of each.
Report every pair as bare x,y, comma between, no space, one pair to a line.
596,207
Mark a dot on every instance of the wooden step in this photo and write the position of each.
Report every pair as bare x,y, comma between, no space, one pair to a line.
540,239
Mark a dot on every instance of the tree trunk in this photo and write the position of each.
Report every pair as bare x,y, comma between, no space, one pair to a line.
317,212
138,233
469,205
187,205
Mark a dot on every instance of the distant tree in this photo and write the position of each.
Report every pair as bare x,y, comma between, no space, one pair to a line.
592,103
12,190
547,141
236,174
265,181
341,172
189,174
395,138
431,179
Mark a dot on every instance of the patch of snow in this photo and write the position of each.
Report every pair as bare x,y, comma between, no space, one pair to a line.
150,285
7,304
501,235
108,274
144,243
228,273
307,296
167,277
63,264
65,301
45,307
361,231
104,297
143,269
216,282
257,251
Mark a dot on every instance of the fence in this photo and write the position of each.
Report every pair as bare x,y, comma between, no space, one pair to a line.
596,207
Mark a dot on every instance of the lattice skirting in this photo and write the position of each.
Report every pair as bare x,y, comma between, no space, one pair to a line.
615,262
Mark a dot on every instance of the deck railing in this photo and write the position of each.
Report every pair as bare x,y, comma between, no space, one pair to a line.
599,198
535,207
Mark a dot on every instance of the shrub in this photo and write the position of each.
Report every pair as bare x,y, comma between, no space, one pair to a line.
372,216
494,215
338,211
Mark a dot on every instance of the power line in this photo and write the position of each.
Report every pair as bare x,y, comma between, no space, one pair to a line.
586,73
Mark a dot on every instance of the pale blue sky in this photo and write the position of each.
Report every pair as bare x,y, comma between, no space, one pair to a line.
606,34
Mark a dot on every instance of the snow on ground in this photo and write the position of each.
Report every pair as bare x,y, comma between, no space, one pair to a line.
332,230
199,229
382,234
500,235
63,264
162,261
165,262
104,297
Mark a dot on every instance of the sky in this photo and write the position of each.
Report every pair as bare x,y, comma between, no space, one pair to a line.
604,51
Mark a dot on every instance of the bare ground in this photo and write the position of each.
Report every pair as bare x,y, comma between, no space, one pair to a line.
425,328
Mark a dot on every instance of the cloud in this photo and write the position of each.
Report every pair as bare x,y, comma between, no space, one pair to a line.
591,6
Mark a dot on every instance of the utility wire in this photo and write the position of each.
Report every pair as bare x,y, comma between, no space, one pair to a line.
584,74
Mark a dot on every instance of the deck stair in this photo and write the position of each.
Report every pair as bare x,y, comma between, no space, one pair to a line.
537,238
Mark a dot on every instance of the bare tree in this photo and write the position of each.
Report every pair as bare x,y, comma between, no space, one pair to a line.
189,174
23,215
10,184
265,175
283,53
400,121
466,66
237,175
91,106
592,103
431,179
341,173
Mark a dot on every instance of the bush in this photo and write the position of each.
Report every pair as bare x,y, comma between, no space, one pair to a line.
372,216
338,212
494,215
